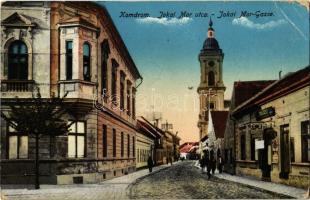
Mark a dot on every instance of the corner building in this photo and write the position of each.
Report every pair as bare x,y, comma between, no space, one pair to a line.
86,58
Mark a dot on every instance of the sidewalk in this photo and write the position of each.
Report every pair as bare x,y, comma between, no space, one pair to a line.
269,186
110,189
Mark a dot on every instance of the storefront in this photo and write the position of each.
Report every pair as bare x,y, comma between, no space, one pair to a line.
272,134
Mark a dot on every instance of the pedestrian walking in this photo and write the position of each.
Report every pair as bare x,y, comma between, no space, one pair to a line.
220,164
212,161
208,164
202,162
150,163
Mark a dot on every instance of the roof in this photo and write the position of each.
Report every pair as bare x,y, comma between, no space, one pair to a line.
187,147
186,143
158,132
288,84
146,128
204,138
143,128
219,119
243,90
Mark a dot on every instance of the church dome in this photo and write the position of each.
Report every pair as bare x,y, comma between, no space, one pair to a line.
211,43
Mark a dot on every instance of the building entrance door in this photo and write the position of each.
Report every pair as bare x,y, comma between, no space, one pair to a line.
265,154
285,152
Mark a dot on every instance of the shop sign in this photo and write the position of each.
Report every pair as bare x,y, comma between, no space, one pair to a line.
265,113
259,144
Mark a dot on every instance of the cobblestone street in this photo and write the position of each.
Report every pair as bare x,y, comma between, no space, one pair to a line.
184,181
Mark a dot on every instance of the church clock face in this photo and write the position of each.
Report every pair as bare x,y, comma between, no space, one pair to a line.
211,63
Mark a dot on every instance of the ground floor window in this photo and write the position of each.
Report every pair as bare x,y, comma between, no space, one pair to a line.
252,147
17,145
242,147
305,141
76,139
292,149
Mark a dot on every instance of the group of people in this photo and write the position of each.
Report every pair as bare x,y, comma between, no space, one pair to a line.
150,162
208,162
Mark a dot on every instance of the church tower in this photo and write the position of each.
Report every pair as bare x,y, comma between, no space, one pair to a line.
211,88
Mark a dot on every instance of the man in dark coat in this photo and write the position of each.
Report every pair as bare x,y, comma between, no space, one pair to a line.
208,164
150,163
212,161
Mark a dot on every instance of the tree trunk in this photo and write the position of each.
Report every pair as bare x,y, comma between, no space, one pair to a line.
37,175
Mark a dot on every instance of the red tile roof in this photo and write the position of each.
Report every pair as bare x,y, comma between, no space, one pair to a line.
243,90
187,146
288,84
219,119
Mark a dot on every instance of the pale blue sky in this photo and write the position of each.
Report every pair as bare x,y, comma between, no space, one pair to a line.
166,51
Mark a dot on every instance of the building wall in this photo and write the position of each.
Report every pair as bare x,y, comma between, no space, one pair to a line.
291,110
36,40
144,149
48,56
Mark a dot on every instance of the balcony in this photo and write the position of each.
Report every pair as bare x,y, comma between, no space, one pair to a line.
78,89
17,85
17,88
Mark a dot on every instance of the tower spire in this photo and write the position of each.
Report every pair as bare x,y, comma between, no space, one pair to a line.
210,22
210,29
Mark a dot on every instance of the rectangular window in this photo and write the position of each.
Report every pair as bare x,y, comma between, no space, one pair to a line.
305,141
86,61
242,147
128,146
105,50
128,97
122,144
133,102
133,146
76,140
69,60
292,149
113,81
104,141
252,148
114,142
17,145
122,90
212,105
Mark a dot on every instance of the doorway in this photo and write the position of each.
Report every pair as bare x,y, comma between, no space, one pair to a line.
284,152
265,154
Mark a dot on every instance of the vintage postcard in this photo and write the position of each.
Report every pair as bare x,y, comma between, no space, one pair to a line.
155,100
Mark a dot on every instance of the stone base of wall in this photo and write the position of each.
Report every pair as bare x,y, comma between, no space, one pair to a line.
298,177
64,172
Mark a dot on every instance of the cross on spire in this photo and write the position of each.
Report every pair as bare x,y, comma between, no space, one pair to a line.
210,22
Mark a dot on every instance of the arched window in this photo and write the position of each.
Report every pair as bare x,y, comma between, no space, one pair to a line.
86,61
211,78
18,61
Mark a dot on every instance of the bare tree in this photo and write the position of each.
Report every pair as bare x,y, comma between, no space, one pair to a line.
37,117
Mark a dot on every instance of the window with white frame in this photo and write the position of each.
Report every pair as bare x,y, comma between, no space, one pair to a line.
17,144
76,139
